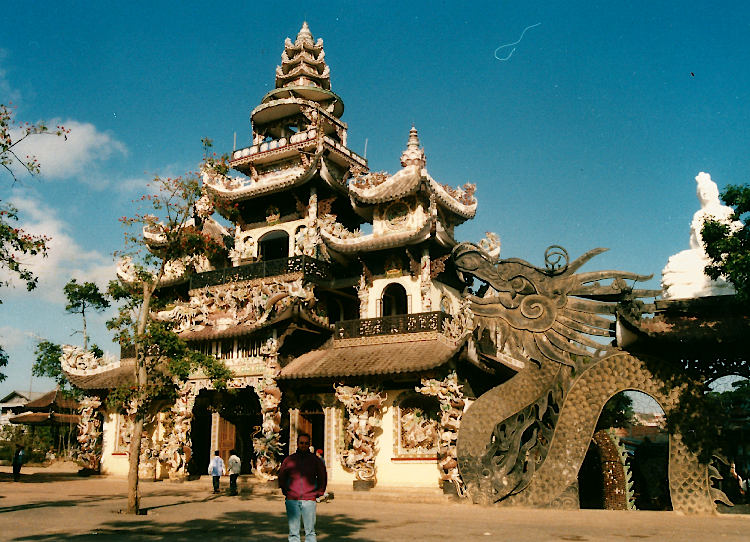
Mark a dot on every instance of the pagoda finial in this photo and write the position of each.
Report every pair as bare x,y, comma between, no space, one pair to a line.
413,138
413,155
304,34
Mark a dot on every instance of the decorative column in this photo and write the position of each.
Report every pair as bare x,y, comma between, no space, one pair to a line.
268,445
177,425
293,428
425,281
89,434
452,402
363,292
364,409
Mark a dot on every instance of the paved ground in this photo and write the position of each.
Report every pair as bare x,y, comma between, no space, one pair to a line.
52,506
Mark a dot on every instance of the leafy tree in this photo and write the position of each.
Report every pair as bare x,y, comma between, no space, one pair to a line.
162,359
15,243
728,247
3,362
617,412
81,297
48,363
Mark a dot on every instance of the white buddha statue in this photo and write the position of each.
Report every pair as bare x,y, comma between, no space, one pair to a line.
683,276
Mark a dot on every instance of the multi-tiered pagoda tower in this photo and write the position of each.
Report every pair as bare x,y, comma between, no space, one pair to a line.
326,328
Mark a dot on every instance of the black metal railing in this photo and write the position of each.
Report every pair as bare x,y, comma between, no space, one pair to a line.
391,325
311,269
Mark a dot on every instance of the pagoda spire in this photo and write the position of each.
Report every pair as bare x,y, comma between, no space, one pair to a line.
414,154
304,34
303,62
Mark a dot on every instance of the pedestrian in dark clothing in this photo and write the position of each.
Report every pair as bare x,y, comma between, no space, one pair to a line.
302,479
234,465
18,459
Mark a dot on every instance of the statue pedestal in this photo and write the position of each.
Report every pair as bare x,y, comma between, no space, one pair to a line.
363,485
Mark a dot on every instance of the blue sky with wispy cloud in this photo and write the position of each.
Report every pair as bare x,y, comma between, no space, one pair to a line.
590,134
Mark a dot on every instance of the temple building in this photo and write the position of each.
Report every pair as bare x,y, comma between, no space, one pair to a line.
359,339
345,308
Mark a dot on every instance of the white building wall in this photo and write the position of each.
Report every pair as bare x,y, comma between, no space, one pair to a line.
390,471
113,462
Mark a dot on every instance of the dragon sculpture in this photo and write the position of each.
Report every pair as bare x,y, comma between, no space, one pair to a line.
523,442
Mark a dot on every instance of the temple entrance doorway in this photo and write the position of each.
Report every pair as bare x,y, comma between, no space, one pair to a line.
224,420
394,300
274,245
312,421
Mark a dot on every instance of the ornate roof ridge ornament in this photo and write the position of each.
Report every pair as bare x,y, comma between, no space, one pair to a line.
414,154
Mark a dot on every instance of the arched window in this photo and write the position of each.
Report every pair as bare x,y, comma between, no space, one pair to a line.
394,300
274,245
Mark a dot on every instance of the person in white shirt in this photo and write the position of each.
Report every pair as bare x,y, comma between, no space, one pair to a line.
234,465
216,469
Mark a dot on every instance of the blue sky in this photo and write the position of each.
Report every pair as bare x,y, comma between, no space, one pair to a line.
589,135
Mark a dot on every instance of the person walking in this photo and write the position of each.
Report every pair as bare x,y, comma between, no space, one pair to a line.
18,459
302,479
216,469
234,466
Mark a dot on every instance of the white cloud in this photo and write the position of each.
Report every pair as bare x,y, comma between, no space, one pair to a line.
12,337
66,259
59,158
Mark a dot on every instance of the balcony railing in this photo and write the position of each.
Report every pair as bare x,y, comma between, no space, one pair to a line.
391,325
311,269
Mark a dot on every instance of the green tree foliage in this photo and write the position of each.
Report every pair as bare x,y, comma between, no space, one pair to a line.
3,362
728,247
47,363
163,360
618,412
82,297
15,243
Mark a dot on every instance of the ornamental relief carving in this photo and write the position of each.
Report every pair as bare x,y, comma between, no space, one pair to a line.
236,304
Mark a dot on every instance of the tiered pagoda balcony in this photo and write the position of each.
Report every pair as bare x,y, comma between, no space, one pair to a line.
310,269
419,322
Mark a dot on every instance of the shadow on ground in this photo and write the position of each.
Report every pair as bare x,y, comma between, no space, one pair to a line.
230,526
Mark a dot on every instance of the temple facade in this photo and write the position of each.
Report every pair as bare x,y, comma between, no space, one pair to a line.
337,308
345,308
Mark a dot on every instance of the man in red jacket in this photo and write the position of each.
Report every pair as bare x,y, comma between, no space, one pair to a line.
302,479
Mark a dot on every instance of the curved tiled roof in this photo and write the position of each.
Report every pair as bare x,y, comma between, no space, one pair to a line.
402,355
380,241
399,185
268,183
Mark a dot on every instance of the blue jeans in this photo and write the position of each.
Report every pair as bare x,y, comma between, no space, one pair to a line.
305,510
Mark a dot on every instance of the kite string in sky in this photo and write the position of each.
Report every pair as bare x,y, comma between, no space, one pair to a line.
514,43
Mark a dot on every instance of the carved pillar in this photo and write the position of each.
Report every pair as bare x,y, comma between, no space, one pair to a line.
363,292
215,422
364,409
176,449
89,434
452,403
329,452
268,445
293,428
425,281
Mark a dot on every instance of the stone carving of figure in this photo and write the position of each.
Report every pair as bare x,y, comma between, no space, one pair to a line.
683,276
244,246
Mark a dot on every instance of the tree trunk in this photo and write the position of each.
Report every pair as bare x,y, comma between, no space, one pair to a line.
141,378
85,337
134,498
